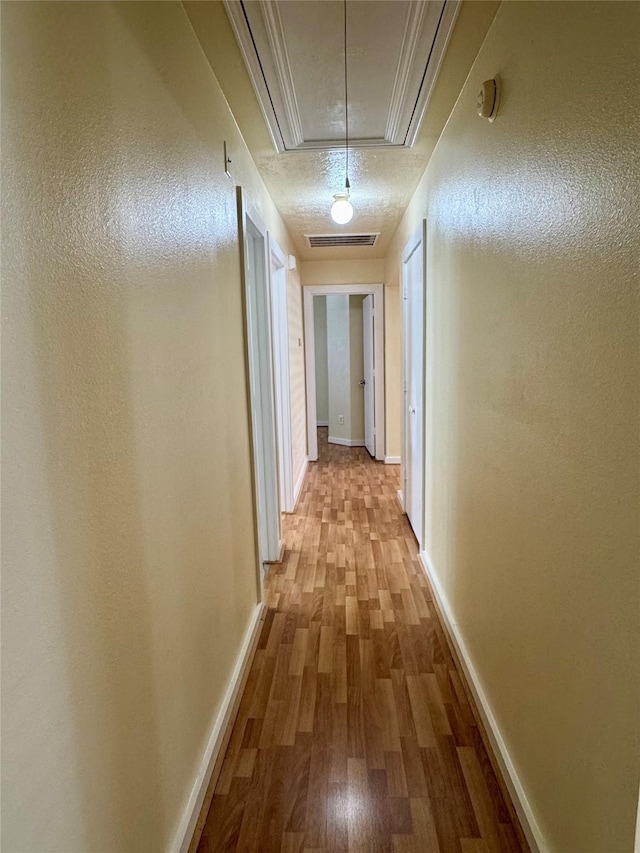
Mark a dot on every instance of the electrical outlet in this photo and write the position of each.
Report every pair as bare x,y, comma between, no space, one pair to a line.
340,419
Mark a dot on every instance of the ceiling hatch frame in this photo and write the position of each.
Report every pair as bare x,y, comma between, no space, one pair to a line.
261,37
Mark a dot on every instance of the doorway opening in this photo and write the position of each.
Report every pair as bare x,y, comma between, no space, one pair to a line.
344,330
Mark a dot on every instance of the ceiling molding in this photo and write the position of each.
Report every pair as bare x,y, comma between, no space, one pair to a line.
445,28
240,27
275,34
412,28
262,37
324,145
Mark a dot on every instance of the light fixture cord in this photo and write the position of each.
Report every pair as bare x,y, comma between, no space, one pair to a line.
347,186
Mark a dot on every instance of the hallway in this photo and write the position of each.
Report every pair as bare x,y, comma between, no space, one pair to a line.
152,213
354,732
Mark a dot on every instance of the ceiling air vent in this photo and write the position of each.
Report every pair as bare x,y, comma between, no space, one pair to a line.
324,241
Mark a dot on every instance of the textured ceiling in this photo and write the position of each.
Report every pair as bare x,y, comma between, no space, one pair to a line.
302,183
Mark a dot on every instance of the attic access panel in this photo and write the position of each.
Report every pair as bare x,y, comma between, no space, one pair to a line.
293,50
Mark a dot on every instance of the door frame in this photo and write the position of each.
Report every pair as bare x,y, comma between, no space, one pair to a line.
260,394
377,291
281,374
419,237
369,388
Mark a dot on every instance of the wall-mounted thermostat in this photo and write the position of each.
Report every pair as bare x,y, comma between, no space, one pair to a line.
488,99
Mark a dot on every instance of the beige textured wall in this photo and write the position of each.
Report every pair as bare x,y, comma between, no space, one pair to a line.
342,272
372,272
215,36
129,563
532,431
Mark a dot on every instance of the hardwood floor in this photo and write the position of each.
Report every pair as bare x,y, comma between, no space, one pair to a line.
354,731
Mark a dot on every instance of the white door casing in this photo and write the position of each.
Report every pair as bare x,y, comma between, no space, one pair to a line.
414,295
280,337
377,291
368,338
255,266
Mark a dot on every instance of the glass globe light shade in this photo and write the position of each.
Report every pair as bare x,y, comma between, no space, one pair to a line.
341,209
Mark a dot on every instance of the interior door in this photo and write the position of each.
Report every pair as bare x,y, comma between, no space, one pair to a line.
369,367
414,351
281,374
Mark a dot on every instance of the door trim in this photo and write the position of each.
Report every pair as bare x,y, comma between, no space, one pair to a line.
377,291
258,348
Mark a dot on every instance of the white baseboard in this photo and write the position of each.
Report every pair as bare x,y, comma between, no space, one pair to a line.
518,797
392,460
224,720
400,498
322,423
298,486
346,442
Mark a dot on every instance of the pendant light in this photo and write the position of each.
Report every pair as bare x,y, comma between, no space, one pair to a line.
341,209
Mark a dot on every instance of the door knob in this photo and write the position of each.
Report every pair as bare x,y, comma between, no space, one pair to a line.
363,382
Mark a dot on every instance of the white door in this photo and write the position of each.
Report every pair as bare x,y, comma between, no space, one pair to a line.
263,418
414,352
281,374
369,366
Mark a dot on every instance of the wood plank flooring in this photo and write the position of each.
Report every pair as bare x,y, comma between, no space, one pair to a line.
354,732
